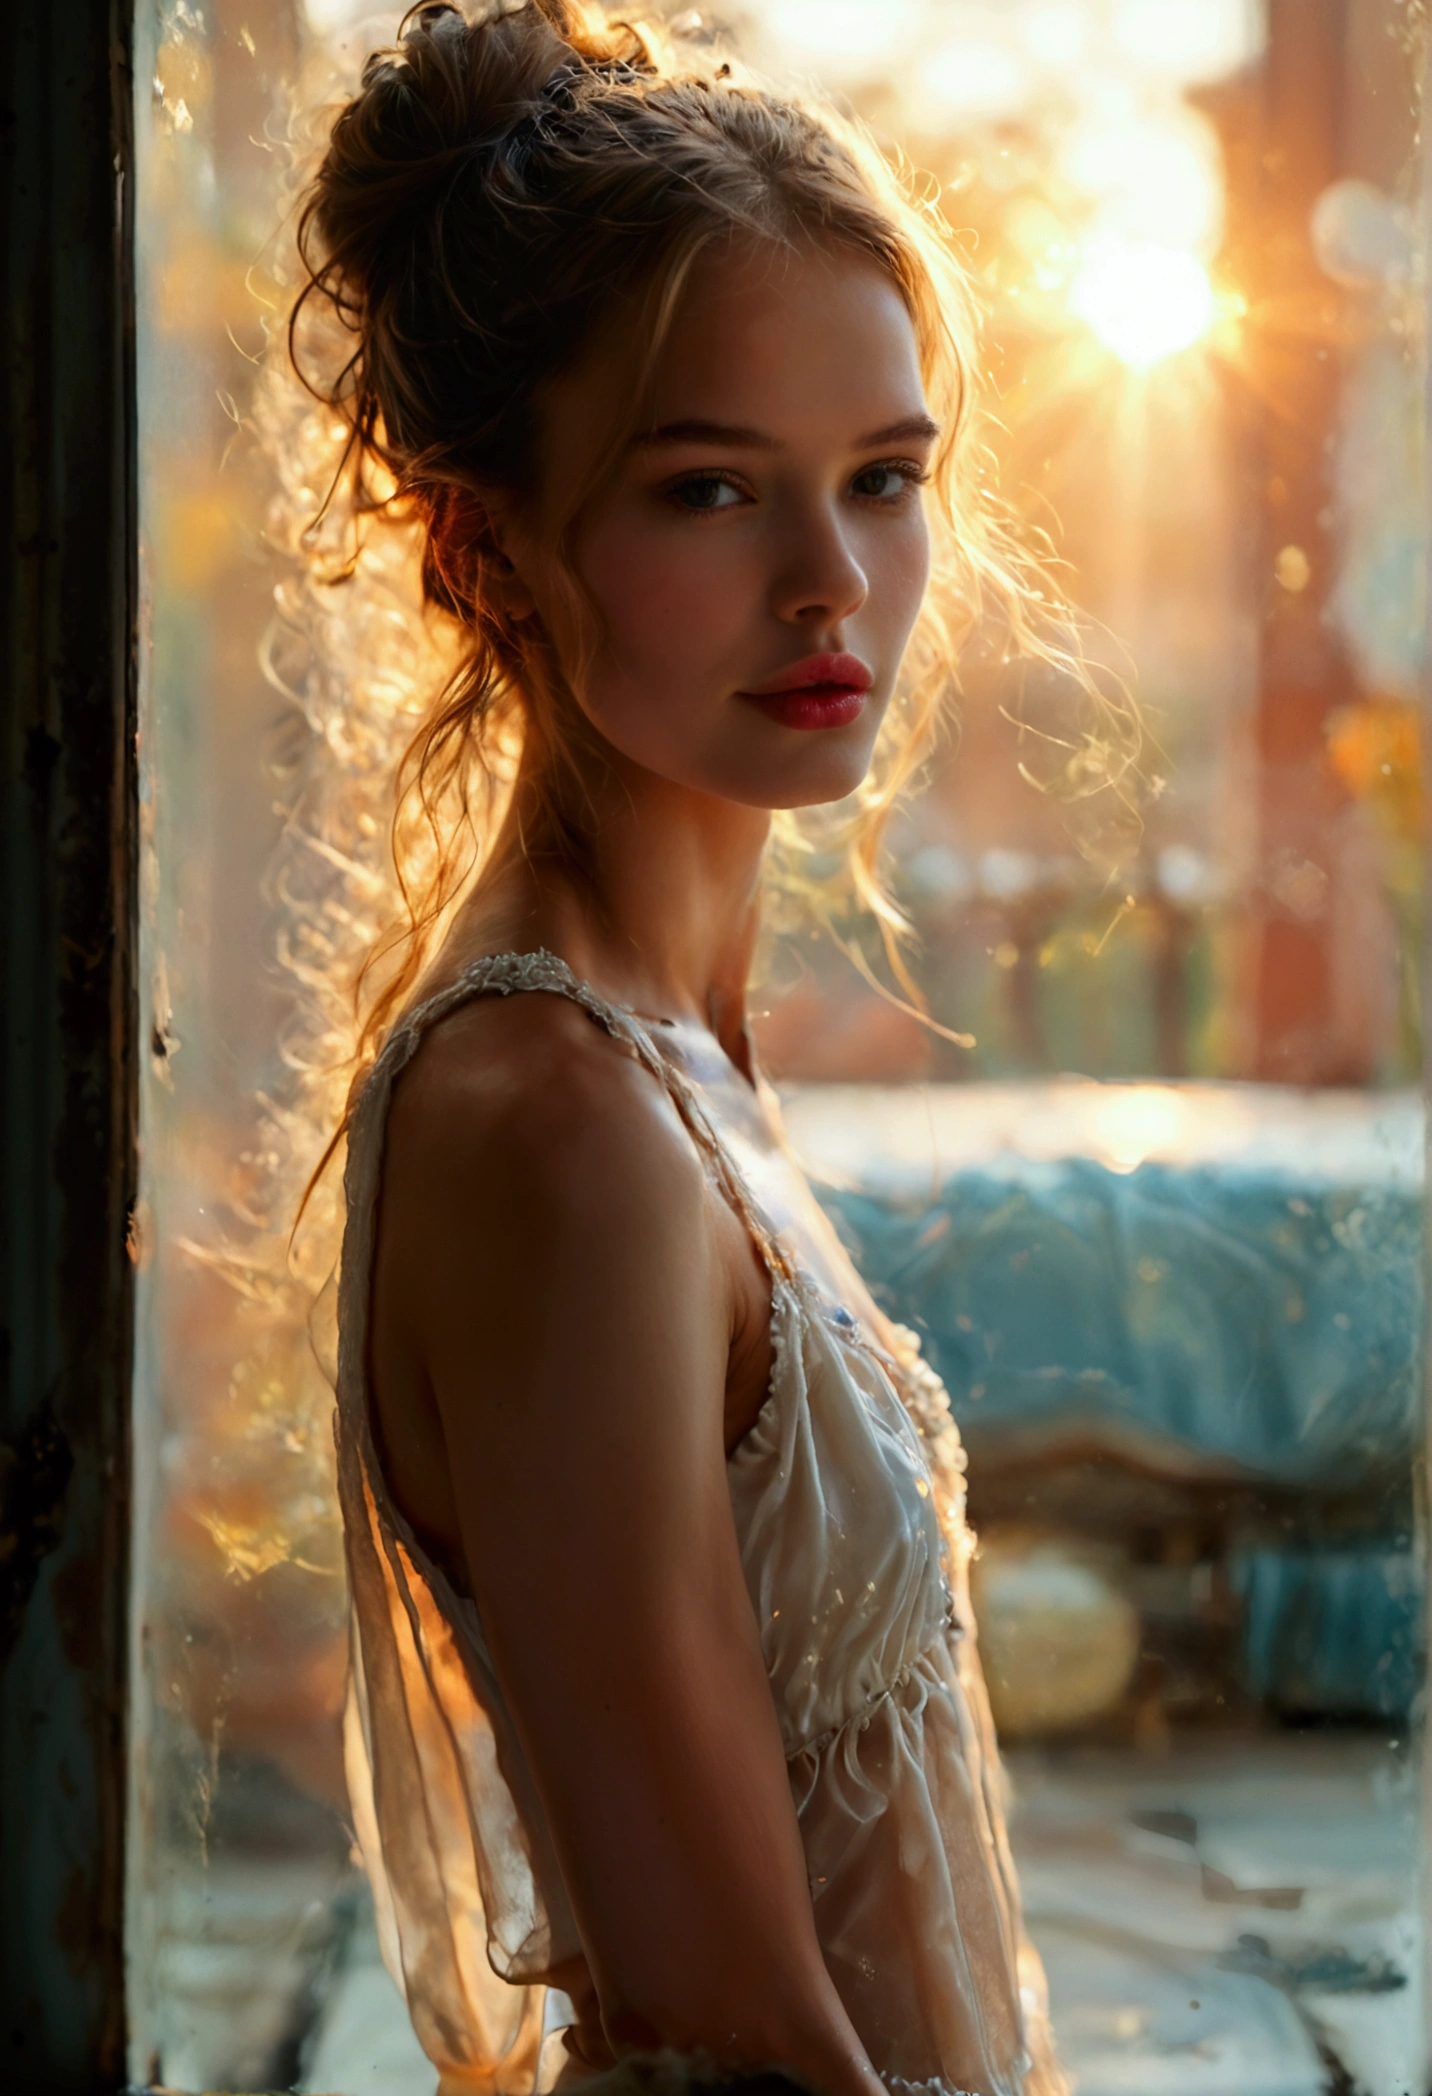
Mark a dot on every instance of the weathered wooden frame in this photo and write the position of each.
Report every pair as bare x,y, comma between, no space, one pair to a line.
68,1019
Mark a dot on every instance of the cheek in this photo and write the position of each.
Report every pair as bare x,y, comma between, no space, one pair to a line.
670,603
898,572
685,619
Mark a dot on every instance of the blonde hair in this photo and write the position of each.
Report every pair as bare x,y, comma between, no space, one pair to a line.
492,191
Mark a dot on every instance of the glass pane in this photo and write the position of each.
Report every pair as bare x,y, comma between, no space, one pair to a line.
247,1918
1160,1225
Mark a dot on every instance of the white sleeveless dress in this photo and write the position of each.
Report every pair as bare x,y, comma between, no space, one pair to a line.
848,1500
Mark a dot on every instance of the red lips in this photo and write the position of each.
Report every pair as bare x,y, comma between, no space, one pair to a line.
823,691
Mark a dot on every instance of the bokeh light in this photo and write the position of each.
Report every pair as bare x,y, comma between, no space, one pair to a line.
1143,301
1187,40
844,33
1155,178
977,80
1056,32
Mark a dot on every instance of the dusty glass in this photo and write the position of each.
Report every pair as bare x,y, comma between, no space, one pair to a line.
1160,1224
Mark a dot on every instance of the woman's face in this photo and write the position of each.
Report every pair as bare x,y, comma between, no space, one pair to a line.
759,557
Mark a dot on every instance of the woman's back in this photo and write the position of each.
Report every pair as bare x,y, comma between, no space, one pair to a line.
529,1088
837,1498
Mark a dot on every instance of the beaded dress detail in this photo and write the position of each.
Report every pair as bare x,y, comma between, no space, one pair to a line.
848,1497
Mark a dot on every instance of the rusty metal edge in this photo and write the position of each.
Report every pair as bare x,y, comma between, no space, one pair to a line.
68,1019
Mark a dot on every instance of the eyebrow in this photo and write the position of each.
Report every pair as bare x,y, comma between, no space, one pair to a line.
735,438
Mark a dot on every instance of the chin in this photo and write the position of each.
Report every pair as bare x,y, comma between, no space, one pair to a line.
822,768
829,775
821,794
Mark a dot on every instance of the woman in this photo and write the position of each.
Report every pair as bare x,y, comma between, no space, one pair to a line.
667,1728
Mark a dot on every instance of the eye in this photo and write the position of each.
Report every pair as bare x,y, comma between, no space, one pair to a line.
705,492
890,481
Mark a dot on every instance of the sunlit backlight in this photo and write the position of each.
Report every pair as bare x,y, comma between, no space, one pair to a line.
1188,40
1131,1123
1144,302
1155,178
1056,32
977,80
842,32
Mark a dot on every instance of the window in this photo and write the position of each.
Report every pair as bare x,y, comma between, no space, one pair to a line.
1160,1225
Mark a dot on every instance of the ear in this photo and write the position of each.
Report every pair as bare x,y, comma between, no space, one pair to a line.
467,558
503,580
503,586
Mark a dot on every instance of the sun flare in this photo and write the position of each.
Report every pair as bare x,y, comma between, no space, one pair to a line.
1143,301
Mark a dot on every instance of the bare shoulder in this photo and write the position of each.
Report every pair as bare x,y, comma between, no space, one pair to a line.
546,1264
520,1116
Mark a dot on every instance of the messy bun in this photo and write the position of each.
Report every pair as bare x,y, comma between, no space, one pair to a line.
425,227
423,233
498,184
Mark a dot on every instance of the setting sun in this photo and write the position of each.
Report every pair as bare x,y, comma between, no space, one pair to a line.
1143,301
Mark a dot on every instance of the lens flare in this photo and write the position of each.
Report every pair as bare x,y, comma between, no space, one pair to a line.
1144,302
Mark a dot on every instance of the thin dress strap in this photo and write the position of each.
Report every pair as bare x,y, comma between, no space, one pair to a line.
511,974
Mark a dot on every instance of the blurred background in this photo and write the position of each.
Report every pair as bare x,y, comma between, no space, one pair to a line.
1160,1227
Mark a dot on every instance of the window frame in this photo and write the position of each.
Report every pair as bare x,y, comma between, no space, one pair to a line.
68,1041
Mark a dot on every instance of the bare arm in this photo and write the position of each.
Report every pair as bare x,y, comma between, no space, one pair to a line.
547,1226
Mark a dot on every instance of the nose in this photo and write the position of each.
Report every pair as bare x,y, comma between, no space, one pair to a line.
820,581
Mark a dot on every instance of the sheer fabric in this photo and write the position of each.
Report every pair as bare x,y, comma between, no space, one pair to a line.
849,1506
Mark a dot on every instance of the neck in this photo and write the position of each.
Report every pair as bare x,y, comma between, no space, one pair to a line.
650,889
